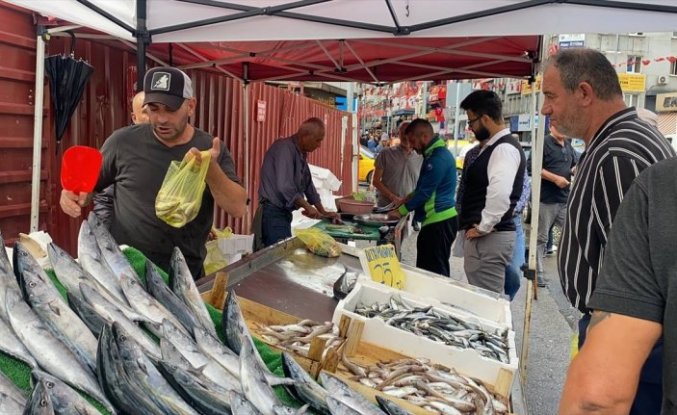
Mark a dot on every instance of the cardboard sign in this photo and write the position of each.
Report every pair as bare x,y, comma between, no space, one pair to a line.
382,265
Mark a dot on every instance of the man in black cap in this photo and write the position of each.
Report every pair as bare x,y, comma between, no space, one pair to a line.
136,159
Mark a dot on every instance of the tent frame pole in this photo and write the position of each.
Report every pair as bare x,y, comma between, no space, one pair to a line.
38,115
142,41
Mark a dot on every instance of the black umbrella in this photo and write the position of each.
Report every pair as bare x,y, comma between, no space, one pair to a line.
67,80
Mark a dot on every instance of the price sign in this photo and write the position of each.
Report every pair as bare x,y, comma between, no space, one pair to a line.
382,265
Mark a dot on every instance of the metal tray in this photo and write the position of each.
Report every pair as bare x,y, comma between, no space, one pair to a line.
375,219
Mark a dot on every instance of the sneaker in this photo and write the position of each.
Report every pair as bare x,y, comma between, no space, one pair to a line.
552,250
542,283
416,226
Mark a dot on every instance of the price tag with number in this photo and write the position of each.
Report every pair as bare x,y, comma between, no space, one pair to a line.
382,265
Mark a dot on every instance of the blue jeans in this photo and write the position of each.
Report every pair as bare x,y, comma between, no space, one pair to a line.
275,224
513,271
649,396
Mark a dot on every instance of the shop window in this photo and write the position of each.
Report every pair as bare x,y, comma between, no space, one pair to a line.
673,68
634,64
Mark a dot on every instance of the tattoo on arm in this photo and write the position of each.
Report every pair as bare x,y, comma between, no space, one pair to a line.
597,317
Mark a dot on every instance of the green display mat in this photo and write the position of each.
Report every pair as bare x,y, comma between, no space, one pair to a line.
371,233
20,373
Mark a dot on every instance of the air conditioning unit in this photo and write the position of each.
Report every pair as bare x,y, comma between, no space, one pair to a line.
662,80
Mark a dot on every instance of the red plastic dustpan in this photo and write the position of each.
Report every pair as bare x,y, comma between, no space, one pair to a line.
80,169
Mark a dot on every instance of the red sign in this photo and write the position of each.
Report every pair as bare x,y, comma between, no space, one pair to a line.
260,111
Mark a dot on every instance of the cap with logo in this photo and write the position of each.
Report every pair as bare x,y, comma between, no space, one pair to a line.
168,86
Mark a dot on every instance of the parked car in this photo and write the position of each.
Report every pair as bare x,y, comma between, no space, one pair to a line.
365,165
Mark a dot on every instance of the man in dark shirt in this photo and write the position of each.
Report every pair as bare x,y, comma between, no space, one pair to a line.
287,185
136,159
583,98
559,159
103,201
635,301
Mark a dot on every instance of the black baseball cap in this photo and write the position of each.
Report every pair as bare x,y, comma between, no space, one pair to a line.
168,86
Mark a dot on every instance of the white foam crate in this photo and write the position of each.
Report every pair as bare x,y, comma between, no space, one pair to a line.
236,244
466,361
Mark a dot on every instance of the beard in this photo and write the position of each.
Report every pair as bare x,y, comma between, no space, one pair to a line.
571,123
482,134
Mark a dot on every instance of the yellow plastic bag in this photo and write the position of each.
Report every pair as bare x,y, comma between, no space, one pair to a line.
319,242
215,260
180,197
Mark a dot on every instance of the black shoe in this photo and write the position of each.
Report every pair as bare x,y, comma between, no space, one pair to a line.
542,284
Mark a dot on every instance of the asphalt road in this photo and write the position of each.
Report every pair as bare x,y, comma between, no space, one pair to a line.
552,323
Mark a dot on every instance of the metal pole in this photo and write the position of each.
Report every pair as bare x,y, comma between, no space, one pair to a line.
142,40
456,117
37,129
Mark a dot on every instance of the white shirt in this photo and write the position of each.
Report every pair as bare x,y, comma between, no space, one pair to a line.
501,171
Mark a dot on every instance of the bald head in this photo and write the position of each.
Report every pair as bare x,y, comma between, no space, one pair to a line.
139,115
310,134
419,133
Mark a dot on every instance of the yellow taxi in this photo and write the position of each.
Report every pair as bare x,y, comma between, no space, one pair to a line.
463,147
365,165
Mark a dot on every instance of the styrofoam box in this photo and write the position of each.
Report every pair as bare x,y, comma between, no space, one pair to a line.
484,303
466,361
237,244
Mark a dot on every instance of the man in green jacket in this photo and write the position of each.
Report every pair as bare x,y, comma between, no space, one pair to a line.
432,201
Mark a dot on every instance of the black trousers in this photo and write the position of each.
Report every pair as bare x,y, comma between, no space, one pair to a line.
433,246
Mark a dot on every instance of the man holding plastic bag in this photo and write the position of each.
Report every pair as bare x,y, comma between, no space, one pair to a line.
137,160
287,185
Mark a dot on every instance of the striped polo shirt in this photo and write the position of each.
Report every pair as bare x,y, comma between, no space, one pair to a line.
622,147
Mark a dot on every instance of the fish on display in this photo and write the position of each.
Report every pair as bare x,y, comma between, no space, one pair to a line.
184,287
110,250
142,372
345,284
339,408
8,390
7,278
146,305
63,322
9,405
234,325
39,402
207,397
86,313
50,353
241,406
91,259
11,345
305,389
254,384
338,390
111,314
298,336
64,399
432,387
440,326
161,292
390,407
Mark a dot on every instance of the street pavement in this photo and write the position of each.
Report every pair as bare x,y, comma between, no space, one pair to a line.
552,327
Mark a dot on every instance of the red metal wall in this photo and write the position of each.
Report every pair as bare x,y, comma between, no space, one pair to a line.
105,106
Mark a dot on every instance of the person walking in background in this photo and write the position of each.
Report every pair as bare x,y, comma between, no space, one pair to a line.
583,99
432,201
287,185
396,171
559,159
493,185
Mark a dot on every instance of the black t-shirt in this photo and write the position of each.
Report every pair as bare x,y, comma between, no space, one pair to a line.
639,273
557,159
136,163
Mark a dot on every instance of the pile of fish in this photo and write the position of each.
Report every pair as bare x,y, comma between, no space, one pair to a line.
432,387
439,326
137,348
298,337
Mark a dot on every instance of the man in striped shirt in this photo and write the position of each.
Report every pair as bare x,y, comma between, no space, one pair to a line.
583,99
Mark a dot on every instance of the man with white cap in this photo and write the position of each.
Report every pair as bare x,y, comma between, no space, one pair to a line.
136,159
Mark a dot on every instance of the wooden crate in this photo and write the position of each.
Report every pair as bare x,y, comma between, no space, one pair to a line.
369,354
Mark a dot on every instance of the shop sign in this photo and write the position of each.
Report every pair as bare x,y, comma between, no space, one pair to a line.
572,41
526,86
632,82
382,265
260,110
666,102
524,122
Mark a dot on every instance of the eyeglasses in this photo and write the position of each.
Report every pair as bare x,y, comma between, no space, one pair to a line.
470,122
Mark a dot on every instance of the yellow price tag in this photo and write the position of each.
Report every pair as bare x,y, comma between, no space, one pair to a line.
382,265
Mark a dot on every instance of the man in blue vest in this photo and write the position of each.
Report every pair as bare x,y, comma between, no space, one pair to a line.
433,199
493,185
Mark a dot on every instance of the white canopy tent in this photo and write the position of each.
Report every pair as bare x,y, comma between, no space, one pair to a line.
216,22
